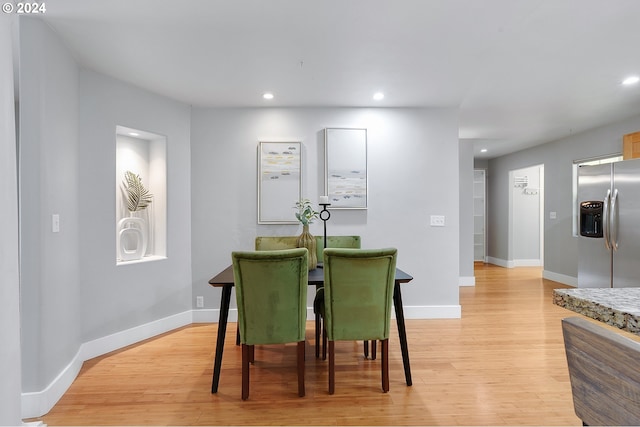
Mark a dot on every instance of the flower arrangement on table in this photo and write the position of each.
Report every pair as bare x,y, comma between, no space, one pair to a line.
306,214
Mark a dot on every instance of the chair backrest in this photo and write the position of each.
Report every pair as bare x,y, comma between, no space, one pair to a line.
358,289
352,242
268,243
271,293
603,368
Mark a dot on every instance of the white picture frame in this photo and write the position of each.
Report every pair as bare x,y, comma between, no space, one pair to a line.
279,181
346,177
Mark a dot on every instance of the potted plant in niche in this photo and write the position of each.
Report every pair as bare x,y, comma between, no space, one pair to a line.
133,230
306,214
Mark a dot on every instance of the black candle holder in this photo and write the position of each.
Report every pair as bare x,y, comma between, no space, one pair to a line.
324,216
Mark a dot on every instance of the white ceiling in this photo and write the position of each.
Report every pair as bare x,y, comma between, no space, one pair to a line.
522,72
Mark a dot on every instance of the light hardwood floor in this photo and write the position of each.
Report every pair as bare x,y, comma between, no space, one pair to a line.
502,363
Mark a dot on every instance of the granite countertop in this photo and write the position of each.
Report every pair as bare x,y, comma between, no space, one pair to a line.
619,307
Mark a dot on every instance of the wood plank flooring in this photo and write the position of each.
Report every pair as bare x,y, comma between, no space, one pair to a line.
502,363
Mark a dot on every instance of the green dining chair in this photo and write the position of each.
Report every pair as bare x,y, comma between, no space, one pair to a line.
271,294
358,289
351,242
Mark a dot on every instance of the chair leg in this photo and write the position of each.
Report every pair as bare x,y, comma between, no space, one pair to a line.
301,351
385,365
238,335
374,346
324,342
252,354
245,371
332,367
318,327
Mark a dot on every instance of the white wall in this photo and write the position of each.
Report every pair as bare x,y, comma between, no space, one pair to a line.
115,298
10,385
413,173
76,302
50,280
466,214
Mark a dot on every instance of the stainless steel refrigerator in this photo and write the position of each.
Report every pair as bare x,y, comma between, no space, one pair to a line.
609,226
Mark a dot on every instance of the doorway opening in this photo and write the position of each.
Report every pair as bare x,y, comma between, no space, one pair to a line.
526,217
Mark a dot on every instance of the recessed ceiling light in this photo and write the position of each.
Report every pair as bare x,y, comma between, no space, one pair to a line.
268,95
378,96
484,150
631,80
134,134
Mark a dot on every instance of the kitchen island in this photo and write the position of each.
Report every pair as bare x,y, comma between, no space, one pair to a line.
618,307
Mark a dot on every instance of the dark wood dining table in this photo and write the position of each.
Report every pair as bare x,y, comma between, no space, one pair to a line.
224,280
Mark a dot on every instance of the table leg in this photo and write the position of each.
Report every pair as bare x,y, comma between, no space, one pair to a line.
222,330
402,333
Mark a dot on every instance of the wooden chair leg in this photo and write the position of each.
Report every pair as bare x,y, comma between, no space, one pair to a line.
245,371
238,335
324,342
252,354
385,365
366,349
301,351
374,349
318,327
332,367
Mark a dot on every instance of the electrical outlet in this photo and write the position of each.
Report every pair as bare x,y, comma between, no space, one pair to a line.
437,220
199,302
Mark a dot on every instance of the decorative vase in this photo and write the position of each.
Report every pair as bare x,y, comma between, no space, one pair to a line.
132,238
306,240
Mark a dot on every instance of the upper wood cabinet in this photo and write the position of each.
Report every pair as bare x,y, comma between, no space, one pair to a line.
631,146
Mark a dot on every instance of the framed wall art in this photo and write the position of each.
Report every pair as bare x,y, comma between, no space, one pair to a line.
346,168
279,181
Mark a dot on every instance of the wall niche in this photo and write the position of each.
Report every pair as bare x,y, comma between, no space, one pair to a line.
141,196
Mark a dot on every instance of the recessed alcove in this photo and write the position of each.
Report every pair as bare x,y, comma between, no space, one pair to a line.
141,235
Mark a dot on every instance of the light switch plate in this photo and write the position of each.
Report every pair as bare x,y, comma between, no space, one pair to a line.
55,223
437,220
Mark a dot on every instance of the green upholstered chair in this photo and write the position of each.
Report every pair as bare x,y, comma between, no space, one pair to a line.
271,293
351,242
358,289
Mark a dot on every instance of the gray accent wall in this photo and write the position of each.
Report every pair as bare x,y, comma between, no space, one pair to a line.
560,246
412,174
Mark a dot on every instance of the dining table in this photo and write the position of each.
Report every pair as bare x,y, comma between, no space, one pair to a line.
224,280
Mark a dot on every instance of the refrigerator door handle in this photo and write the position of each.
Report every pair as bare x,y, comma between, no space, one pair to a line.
613,221
605,220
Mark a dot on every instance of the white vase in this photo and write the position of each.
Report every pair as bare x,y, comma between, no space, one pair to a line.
132,238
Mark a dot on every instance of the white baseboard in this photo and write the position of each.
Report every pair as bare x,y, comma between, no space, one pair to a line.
527,263
500,262
466,281
36,404
514,263
561,278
